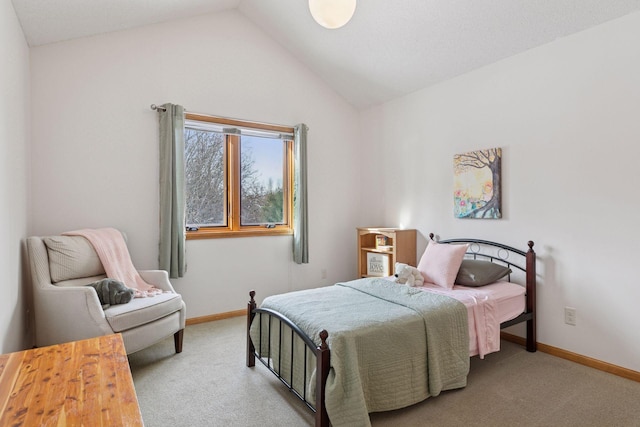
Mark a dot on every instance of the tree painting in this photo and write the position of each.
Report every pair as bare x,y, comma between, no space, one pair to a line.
477,192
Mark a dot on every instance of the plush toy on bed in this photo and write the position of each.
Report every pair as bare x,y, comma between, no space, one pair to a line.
408,275
111,291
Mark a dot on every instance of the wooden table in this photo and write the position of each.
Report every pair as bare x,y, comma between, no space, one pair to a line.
81,383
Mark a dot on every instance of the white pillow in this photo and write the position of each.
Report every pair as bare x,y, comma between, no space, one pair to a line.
71,257
440,263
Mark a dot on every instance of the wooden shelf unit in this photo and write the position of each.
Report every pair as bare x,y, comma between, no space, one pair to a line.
402,247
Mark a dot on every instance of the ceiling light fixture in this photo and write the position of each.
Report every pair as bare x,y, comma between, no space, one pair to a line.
332,14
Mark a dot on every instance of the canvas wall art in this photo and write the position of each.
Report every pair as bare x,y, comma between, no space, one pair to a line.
477,191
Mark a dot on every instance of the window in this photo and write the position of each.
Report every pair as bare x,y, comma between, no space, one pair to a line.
239,177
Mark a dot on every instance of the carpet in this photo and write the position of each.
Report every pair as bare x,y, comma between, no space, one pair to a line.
209,385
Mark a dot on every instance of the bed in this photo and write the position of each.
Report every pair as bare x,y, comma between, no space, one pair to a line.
372,345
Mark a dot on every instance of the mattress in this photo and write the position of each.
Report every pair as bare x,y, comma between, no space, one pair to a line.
487,307
510,298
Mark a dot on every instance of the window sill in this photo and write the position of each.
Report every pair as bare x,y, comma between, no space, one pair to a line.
216,234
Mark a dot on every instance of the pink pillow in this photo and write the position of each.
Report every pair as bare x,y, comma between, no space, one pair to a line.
440,263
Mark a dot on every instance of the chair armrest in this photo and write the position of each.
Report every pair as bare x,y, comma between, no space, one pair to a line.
68,314
157,278
62,297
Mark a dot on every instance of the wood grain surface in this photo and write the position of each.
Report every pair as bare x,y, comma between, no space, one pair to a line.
81,383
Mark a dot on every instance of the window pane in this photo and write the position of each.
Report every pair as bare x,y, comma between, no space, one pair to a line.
261,173
205,178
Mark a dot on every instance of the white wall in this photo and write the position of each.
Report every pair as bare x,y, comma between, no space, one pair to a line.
95,147
567,116
14,189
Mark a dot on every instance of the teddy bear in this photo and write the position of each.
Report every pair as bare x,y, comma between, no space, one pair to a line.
111,291
408,275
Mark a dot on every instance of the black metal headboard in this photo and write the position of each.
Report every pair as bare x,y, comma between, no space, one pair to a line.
525,261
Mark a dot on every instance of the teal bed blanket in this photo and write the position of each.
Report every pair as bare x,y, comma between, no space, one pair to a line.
391,345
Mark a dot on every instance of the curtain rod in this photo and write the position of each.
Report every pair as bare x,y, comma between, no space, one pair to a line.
160,108
289,130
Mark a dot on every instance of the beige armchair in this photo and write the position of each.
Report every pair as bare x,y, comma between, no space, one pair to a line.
66,310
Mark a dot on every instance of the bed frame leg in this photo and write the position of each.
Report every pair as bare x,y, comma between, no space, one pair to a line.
251,351
324,362
532,344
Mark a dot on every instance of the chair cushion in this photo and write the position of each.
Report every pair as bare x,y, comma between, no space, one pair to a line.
142,310
71,257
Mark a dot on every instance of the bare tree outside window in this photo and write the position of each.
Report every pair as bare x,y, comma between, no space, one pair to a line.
261,193
205,178
262,162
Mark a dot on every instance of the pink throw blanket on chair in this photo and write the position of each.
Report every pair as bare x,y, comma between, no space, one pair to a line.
112,250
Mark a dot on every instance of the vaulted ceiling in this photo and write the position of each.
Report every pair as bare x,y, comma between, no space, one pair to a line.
390,48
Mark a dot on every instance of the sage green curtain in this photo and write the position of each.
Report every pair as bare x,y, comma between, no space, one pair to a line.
300,209
172,190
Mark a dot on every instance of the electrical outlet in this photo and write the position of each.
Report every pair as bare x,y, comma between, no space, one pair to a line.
323,273
570,316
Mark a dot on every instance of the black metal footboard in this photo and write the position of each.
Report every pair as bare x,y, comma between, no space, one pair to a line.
267,320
